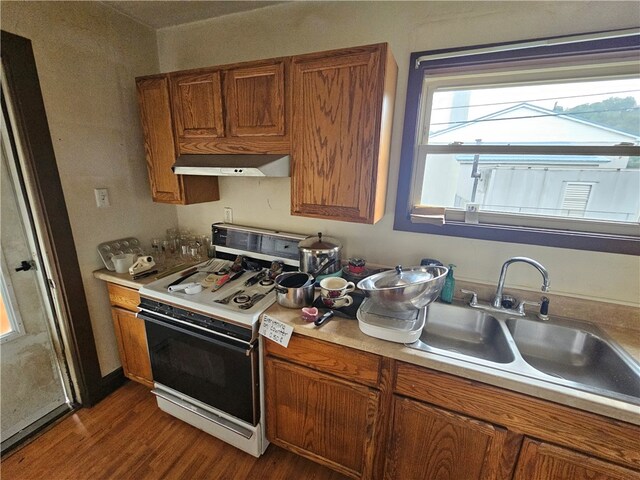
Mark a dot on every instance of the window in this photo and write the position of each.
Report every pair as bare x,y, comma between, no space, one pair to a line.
536,142
11,325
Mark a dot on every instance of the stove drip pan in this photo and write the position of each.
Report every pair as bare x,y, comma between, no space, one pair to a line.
403,326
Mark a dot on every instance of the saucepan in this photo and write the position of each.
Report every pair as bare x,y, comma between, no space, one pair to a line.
296,289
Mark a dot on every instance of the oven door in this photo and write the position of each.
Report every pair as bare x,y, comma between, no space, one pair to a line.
220,371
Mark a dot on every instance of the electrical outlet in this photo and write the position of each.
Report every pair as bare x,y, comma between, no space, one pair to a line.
228,215
102,197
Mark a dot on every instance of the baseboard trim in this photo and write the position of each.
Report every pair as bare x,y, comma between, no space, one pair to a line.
108,384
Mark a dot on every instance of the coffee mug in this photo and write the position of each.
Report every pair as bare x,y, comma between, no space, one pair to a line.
333,287
337,302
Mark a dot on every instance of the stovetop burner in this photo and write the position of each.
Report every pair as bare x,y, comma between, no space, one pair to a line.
267,282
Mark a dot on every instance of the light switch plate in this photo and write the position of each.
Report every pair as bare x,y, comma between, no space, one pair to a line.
102,197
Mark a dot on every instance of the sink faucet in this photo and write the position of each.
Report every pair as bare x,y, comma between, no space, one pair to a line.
497,300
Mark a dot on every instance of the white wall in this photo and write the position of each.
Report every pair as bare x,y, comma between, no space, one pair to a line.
87,58
294,28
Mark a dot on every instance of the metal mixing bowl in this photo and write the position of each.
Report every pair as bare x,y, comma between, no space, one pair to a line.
404,289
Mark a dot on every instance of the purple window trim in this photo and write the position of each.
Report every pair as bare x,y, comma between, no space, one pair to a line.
512,234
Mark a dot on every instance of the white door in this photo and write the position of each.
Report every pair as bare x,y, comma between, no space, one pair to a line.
33,383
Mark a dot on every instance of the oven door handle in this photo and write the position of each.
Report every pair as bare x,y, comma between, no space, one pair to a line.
247,351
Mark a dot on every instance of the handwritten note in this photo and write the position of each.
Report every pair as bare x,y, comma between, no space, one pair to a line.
275,330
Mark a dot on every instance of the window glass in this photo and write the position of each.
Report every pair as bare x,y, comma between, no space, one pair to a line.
592,112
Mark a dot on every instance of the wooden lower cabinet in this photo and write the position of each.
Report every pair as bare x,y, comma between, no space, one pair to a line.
321,417
370,417
541,461
130,334
429,443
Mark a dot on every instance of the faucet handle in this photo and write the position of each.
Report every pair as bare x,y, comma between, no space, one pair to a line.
474,297
526,302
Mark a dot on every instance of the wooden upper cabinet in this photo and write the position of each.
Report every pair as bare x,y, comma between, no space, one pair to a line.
197,109
256,101
541,461
428,443
242,108
155,111
342,114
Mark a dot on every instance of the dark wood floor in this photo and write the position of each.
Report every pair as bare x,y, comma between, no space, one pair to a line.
126,436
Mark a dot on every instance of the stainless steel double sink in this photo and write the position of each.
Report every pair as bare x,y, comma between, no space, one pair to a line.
562,352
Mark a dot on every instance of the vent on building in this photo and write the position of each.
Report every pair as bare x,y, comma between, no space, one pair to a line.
576,198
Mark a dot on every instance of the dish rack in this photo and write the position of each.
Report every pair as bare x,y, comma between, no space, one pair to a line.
106,250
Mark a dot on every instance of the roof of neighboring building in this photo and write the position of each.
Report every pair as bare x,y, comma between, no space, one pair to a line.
541,112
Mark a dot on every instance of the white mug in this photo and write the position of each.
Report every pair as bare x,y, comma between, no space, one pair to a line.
123,261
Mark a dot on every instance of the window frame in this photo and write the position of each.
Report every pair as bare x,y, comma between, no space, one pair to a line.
554,49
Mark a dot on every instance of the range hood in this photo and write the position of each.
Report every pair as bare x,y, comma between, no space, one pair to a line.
233,165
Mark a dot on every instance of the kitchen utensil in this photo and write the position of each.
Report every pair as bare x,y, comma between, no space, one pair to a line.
324,319
229,277
256,278
145,274
123,261
107,250
404,289
294,289
254,299
316,250
228,298
189,288
186,274
142,265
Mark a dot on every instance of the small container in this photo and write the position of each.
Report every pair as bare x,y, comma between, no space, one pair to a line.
446,295
356,265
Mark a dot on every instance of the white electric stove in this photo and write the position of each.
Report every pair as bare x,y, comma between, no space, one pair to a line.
203,344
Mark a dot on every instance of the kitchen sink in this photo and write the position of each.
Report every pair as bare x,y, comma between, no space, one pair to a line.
561,352
466,332
575,355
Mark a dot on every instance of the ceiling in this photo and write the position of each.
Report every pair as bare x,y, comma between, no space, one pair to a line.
160,14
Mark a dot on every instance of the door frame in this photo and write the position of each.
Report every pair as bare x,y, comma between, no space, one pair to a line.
38,157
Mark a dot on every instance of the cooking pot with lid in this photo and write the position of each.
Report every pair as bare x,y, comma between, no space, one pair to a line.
317,251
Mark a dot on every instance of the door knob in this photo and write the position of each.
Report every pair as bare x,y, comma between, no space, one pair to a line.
26,265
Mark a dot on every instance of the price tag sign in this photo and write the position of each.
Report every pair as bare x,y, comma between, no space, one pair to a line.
275,330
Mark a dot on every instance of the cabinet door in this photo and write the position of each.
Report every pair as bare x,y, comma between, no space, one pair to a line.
321,417
132,344
155,112
197,109
541,461
337,124
255,101
160,148
429,443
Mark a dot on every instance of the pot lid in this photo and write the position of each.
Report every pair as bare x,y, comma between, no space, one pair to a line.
398,277
318,242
